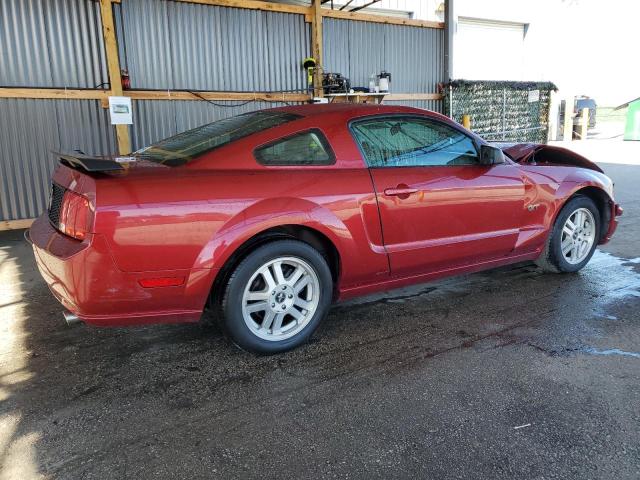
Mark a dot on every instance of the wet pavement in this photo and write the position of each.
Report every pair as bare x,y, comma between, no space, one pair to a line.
503,374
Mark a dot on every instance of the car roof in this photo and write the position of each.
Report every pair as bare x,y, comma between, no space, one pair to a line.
352,110
330,113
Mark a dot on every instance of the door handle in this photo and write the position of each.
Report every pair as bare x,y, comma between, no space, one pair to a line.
402,191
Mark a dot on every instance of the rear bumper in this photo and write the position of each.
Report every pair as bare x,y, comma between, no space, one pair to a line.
84,278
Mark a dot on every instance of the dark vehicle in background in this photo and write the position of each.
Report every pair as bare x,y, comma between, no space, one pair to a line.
584,102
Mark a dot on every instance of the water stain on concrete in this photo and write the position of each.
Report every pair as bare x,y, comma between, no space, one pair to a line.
612,351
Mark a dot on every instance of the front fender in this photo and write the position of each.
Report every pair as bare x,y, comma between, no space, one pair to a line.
582,178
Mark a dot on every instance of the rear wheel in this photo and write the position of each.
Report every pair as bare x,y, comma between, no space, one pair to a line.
573,238
277,297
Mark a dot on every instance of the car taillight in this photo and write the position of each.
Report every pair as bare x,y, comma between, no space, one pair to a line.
75,215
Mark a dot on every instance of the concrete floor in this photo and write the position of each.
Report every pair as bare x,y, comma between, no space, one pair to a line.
503,374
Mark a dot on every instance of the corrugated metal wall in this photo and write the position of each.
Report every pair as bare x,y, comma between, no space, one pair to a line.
157,119
413,55
433,105
29,131
43,43
176,45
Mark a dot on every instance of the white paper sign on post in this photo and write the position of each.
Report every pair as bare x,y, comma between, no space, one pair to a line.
120,110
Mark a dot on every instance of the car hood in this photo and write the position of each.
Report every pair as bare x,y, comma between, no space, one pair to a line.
540,154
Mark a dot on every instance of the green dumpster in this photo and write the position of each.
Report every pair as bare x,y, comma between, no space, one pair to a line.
632,125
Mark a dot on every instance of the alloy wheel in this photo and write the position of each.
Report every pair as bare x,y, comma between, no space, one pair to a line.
578,236
280,298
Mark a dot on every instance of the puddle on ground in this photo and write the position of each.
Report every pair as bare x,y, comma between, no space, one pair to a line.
612,351
615,274
594,296
622,281
619,279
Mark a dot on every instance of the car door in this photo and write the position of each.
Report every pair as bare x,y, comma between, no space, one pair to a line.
440,208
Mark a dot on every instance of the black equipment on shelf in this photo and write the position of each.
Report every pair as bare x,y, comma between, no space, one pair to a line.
335,83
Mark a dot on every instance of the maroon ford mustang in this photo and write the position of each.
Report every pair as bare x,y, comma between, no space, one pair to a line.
267,217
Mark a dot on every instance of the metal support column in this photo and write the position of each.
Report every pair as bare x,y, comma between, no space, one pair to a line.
450,30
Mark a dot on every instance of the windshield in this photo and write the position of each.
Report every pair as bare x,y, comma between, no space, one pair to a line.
186,146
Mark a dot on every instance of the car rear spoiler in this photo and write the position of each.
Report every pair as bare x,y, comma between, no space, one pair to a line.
94,163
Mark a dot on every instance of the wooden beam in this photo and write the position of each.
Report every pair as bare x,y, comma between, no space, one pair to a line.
70,94
219,96
16,224
113,67
254,5
368,17
103,95
316,47
54,93
413,96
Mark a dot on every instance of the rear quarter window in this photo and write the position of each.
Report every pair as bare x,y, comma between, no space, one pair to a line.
186,146
304,148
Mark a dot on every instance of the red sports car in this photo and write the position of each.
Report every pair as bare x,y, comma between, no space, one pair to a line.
268,217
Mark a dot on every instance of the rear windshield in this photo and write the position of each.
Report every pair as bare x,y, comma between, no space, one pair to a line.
186,146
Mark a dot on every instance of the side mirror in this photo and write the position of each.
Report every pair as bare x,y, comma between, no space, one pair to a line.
490,155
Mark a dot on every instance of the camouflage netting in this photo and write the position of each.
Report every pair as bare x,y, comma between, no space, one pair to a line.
502,111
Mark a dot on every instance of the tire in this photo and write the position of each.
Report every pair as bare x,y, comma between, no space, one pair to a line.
553,258
292,312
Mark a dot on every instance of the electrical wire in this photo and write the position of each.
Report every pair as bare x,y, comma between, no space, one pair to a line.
196,94
219,104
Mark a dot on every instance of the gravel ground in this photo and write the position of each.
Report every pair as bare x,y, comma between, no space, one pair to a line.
504,374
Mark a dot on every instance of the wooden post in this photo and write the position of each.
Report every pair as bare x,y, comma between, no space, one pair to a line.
113,67
316,47
584,123
568,120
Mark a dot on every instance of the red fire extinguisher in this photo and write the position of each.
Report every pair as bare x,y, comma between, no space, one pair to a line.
125,80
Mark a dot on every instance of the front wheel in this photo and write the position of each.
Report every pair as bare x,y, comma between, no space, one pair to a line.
277,297
573,238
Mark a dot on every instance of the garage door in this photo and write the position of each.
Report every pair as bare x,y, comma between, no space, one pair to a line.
489,50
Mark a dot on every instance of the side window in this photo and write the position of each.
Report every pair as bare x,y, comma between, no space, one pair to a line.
413,142
306,148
